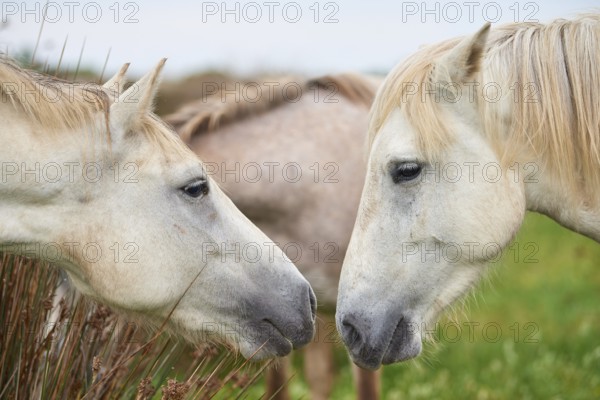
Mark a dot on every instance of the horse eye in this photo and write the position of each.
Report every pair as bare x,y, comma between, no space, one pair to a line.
196,189
406,171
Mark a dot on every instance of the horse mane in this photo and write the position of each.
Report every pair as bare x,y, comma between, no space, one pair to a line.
58,105
49,101
209,114
561,122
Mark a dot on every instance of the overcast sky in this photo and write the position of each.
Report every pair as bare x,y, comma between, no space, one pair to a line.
310,37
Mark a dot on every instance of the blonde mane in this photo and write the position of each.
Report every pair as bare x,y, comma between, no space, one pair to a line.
49,101
56,105
208,114
557,116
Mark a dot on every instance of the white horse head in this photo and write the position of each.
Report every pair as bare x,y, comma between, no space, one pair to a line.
93,182
454,163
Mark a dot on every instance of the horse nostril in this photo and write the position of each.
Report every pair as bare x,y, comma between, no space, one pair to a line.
350,333
313,303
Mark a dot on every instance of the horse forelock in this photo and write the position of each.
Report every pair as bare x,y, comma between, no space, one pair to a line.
559,122
420,108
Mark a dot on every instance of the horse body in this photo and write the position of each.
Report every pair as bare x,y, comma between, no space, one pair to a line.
93,182
452,171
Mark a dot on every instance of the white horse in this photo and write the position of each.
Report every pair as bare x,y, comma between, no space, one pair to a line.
95,183
466,136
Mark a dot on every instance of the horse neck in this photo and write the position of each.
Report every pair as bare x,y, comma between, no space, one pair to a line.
32,201
552,195
545,194
546,191
548,197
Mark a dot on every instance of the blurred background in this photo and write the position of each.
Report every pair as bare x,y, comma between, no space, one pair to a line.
531,331
312,37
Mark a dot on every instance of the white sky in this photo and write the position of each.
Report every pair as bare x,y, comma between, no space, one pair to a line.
368,35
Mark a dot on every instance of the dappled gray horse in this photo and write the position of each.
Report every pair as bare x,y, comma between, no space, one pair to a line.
290,154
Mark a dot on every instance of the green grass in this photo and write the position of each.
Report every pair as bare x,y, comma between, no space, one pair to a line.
555,356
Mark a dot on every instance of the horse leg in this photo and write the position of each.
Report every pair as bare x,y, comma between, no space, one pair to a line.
277,379
318,362
366,383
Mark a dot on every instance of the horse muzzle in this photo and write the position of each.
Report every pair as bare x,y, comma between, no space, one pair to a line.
372,343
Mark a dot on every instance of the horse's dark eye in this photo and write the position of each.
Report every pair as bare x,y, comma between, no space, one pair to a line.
405,171
196,189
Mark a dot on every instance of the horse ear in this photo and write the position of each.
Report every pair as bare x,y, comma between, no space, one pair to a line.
116,84
130,107
464,60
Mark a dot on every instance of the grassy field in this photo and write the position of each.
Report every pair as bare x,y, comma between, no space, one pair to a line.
538,332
